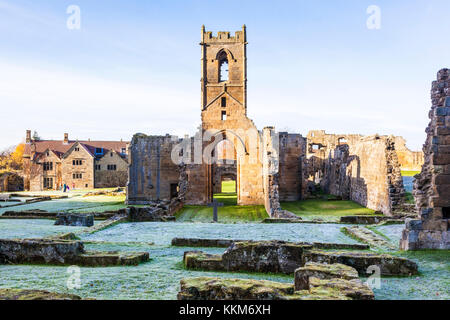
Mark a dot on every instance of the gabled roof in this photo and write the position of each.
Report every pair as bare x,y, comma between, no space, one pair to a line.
78,144
56,153
60,148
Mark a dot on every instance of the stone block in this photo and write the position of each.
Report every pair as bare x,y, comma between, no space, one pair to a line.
322,271
74,220
413,224
362,219
198,260
361,261
352,288
264,256
39,251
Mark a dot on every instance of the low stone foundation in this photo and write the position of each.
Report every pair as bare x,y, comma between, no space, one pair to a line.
26,294
322,271
324,282
74,220
361,261
39,251
264,256
42,214
282,257
63,252
368,236
225,243
362,219
148,214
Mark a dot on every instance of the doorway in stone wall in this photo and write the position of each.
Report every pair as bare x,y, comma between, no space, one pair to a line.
224,173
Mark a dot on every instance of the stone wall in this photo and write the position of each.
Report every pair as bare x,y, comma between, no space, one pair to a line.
362,169
432,185
152,173
86,169
291,174
409,160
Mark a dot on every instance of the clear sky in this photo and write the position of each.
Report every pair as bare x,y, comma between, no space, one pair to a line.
134,66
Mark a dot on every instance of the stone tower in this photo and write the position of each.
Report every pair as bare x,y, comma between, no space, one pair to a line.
224,112
224,75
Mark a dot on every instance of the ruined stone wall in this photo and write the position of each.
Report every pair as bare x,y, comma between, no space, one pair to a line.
362,169
271,172
152,173
292,150
409,160
432,185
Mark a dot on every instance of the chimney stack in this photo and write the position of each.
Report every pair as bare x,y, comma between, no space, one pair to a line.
28,137
66,138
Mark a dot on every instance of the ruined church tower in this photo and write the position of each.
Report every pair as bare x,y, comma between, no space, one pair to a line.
224,78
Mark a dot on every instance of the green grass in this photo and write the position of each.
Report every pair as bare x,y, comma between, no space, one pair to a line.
325,210
227,214
409,197
406,173
229,187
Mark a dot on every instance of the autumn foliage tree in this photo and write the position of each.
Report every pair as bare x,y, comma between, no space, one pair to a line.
11,159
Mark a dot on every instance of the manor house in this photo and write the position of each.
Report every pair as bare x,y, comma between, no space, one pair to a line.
49,164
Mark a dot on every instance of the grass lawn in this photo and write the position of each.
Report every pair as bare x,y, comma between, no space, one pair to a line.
325,210
75,203
409,173
229,213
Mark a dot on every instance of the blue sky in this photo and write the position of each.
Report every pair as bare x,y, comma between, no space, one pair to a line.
134,66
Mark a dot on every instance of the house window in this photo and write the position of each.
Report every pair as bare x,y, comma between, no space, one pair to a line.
112,167
224,115
48,166
112,154
223,102
48,183
98,167
77,176
124,150
98,150
77,162
77,149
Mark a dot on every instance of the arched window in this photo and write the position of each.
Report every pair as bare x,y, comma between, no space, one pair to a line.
223,67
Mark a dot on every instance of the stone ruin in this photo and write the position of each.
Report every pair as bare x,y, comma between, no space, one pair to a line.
364,169
432,185
268,166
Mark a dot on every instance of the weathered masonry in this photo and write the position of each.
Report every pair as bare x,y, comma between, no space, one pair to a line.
364,169
432,185
268,166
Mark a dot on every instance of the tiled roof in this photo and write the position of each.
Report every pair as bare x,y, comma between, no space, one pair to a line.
59,148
